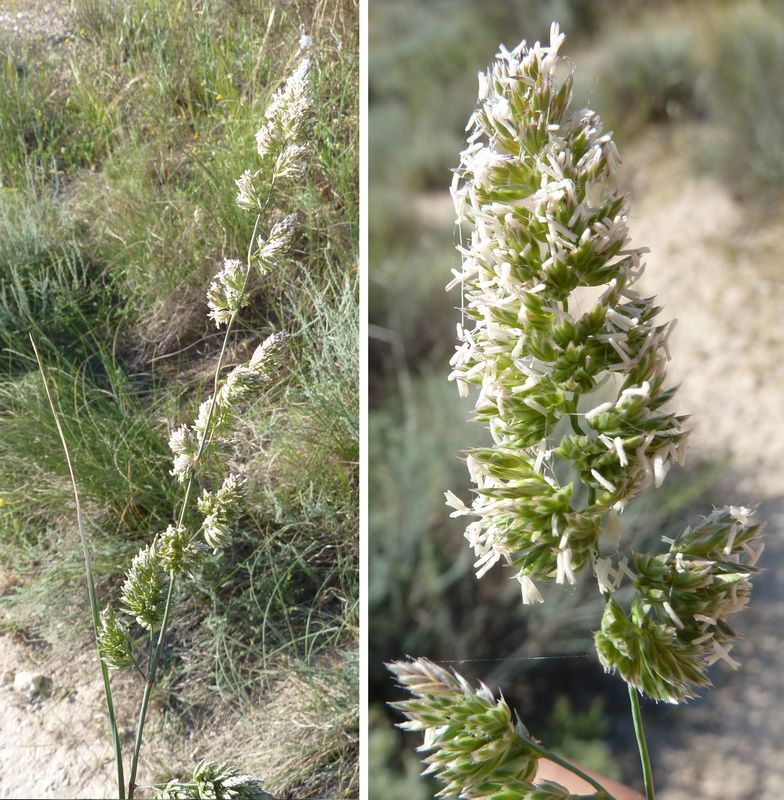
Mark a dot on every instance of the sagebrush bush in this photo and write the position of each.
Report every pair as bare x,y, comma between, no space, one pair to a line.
744,97
646,76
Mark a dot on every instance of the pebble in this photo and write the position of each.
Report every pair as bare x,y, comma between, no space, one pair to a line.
31,684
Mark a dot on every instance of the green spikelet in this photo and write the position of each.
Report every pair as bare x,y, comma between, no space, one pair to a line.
143,590
114,643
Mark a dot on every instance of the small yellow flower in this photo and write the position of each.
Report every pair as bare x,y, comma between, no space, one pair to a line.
218,98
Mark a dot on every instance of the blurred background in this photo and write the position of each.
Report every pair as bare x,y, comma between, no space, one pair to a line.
695,94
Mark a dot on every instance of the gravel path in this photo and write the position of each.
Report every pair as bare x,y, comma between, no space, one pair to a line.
36,21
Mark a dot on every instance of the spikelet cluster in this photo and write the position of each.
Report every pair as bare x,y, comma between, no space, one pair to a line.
555,325
176,549
678,623
226,294
229,289
221,510
143,593
272,249
216,415
213,782
281,140
470,737
473,746
114,642
551,317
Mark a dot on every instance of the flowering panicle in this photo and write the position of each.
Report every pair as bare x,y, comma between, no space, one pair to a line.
114,643
259,371
570,364
221,510
248,196
176,549
184,446
288,114
148,589
548,279
280,142
143,594
226,294
213,782
677,626
276,245
216,415
474,747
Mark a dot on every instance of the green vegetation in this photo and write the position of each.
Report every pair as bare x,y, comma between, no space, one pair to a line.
119,146
646,70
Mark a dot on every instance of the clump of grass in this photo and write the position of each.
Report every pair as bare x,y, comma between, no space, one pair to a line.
38,125
46,284
119,449
315,455
122,466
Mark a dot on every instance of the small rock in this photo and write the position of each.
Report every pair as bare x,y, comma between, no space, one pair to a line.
31,684
7,678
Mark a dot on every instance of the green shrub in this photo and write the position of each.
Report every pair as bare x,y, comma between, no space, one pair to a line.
643,76
744,92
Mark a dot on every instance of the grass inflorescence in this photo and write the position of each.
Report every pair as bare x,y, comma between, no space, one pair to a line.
120,144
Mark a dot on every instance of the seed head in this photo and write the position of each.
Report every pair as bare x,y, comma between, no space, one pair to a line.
114,643
143,592
551,316
474,748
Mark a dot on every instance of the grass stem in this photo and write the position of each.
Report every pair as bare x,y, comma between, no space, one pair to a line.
90,581
642,745
602,793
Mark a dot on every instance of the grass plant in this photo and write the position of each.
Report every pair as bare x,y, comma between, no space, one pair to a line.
120,151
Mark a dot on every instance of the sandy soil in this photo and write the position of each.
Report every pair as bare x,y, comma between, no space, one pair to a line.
55,741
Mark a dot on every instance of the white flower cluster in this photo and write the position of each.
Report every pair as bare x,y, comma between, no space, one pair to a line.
226,294
276,245
281,140
220,510
216,415
287,119
570,362
547,281
677,625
